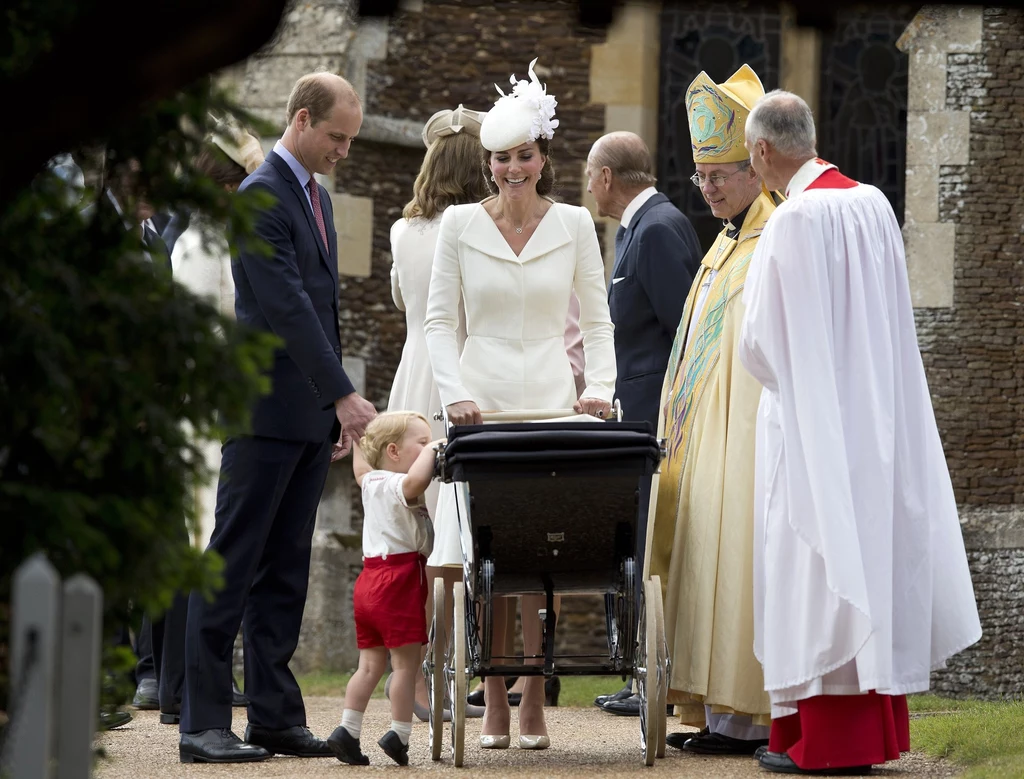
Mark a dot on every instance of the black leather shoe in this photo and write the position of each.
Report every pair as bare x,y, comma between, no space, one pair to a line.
760,751
627,707
170,715
147,695
475,698
237,698
297,741
113,719
219,745
717,744
677,740
393,747
622,694
346,748
781,763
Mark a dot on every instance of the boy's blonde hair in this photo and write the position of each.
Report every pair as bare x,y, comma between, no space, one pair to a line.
387,428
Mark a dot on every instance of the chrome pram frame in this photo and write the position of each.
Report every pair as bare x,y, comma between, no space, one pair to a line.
610,462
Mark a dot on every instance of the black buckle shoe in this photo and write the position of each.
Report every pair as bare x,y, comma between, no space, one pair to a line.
679,739
296,741
626,707
393,747
718,744
346,748
781,763
147,695
622,694
113,719
219,745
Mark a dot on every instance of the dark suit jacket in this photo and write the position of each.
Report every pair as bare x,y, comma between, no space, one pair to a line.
654,267
293,293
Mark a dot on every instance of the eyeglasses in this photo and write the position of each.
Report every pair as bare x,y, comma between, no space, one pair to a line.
716,179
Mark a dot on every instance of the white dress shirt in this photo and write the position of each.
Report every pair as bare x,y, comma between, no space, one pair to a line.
391,524
635,204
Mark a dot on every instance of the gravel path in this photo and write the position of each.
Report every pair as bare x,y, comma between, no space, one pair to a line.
586,743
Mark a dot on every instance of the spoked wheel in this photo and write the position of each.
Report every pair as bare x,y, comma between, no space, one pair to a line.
455,670
433,671
646,663
661,704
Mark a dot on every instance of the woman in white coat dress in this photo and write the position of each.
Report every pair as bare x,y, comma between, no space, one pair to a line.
201,261
450,175
515,259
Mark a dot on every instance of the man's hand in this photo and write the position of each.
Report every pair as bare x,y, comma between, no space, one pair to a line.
354,413
596,408
465,412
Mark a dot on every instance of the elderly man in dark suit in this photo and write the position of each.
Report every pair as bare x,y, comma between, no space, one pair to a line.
657,255
271,481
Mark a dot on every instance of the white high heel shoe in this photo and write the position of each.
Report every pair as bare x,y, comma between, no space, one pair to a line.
495,742
534,742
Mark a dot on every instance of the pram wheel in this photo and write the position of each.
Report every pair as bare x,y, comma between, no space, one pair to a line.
433,671
664,665
456,670
648,671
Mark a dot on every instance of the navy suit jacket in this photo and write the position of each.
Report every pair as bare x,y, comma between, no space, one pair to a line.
655,265
293,292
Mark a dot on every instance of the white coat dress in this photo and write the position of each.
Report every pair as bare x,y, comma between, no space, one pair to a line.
516,307
201,261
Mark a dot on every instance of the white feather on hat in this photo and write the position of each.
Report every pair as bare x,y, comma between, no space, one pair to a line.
521,117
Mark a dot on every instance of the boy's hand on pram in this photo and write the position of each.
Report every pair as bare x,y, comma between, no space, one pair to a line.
465,412
594,406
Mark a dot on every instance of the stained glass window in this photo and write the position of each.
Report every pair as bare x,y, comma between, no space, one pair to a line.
862,122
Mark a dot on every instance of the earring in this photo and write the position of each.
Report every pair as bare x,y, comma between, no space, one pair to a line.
492,177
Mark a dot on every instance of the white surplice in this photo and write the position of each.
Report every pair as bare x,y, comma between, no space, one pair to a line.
860,574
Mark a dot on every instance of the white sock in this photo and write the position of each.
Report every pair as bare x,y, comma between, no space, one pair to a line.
352,721
403,729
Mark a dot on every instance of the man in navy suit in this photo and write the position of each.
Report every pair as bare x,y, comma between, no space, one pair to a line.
657,255
271,481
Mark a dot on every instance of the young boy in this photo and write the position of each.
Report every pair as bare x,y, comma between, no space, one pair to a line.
393,465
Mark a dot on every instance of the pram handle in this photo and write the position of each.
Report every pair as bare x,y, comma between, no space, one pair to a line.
533,415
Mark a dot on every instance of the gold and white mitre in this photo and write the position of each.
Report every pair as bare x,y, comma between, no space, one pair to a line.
718,115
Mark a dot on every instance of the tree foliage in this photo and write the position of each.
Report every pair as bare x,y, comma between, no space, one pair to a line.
108,368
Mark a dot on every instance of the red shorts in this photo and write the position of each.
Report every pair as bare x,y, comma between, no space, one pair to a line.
390,598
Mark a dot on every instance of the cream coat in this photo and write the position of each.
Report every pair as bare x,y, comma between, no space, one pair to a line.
514,356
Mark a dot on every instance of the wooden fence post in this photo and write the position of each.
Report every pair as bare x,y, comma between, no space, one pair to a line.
79,676
35,612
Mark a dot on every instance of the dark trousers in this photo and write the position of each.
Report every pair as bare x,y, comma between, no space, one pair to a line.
161,648
267,497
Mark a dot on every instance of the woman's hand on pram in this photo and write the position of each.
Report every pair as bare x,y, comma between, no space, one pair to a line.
594,406
465,412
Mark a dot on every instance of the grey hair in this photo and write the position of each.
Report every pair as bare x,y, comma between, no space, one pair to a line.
785,121
627,157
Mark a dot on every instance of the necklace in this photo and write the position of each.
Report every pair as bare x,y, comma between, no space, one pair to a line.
519,229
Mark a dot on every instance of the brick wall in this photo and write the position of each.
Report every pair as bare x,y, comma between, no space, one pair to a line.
974,352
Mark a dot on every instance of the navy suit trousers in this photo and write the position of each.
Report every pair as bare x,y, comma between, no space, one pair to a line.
267,497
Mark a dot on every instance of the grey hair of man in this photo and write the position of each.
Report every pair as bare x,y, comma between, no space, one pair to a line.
783,120
627,157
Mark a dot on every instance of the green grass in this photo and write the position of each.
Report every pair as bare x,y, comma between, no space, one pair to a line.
577,691
984,737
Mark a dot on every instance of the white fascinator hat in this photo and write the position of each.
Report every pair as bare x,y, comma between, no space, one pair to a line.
448,122
521,117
